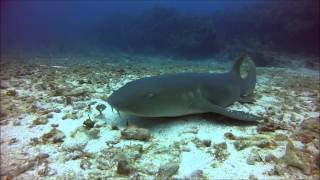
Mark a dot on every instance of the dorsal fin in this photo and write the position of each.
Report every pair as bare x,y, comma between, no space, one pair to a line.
248,83
236,66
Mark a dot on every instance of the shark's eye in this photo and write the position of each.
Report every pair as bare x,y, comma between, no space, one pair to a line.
150,95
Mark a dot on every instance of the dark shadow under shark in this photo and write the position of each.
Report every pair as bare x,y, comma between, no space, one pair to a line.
182,94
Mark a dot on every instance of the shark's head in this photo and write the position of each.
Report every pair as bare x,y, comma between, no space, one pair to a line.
138,98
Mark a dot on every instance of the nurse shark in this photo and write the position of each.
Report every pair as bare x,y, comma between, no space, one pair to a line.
180,94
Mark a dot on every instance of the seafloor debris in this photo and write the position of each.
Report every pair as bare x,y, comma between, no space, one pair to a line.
270,126
100,108
79,92
114,127
230,136
206,142
84,81
40,121
306,157
11,93
167,170
254,157
34,141
296,158
71,115
24,165
197,174
270,157
17,170
13,141
68,100
41,156
4,84
135,133
46,171
261,141
201,143
85,164
123,165
309,131
253,177
221,152
88,123
92,133
74,151
108,158
53,136
41,97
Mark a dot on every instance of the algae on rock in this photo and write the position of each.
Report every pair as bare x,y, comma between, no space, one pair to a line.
296,159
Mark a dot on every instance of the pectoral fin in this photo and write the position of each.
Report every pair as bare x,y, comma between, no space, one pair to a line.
239,115
247,99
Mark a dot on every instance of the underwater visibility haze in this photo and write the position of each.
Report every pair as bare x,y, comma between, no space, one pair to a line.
160,89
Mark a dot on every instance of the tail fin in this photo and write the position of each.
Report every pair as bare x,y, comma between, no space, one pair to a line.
248,83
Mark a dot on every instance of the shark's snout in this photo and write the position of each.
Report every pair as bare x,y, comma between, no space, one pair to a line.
119,102
116,102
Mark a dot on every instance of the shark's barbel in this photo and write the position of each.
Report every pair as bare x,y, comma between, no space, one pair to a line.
187,93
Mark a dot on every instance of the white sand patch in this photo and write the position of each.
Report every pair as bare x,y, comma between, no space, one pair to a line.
267,100
23,132
213,130
69,166
314,114
68,126
193,160
96,145
236,167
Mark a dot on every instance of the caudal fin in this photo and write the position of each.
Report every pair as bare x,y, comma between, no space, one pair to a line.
248,83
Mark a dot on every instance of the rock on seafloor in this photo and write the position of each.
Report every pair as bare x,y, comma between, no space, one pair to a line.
295,158
135,133
167,170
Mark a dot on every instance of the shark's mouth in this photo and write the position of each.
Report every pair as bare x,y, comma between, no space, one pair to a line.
126,112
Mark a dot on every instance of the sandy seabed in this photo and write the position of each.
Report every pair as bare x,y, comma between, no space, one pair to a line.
56,124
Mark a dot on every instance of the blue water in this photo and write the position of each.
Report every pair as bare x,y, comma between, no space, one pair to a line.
188,29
